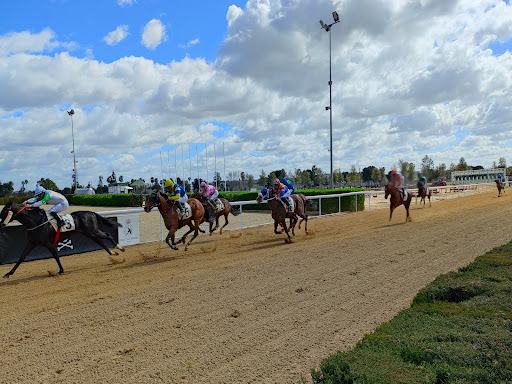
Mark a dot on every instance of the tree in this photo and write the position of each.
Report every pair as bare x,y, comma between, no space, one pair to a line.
263,178
502,163
48,184
462,166
367,173
337,175
112,178
6,189
352,177
250,181
23,184
427,167
121,178
242,177
376,175
316,176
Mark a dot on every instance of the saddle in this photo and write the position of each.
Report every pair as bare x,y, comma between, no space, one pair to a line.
187,212
69,223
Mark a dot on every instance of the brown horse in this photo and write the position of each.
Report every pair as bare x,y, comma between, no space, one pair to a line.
209,208
279,212
397,200
423,193
171,218
500,186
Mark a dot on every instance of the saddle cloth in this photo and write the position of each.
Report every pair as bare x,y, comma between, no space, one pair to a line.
291,208
186,214
404,193
219,205
69,223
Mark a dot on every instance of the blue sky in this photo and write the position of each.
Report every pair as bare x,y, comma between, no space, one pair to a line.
247,81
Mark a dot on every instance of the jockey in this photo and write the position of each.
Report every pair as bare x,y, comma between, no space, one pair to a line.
421,182
264,193
280,191
500,177
43,196
398,181
289,184
176,193
210,193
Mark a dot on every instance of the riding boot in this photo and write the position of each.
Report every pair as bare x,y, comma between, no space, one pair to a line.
60,222
287,204
213,205
181,207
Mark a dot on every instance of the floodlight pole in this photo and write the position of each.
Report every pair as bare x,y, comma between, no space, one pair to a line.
327,28
71,113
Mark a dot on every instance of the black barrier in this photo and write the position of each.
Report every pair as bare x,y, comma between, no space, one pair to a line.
14,240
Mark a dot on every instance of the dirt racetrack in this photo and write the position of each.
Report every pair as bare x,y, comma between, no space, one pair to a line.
243,307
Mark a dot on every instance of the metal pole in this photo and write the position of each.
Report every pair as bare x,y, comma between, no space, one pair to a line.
74,156
330,108
215,153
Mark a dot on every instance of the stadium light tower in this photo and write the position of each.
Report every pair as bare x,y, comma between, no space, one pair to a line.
327,28
71,113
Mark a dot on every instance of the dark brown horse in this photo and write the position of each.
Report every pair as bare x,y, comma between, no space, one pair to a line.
279,212
500,186
40,231
423,193
171,218
397,200
211,211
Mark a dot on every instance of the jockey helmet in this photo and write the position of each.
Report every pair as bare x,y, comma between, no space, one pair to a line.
393,172
39,190
276,181
203,184
283,180
169,183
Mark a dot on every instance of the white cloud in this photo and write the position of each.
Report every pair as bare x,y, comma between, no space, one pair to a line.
116,36
409,79
122,3
191,43
153,34
28,42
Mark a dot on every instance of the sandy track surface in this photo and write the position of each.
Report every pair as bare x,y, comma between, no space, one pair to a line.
243,307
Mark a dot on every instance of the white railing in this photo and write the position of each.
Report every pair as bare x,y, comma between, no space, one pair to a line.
440,193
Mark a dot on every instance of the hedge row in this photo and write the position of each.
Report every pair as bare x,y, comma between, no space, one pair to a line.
130,200
331,205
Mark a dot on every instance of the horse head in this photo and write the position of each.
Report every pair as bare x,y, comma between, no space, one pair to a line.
387,192
5,215
263,195
153,201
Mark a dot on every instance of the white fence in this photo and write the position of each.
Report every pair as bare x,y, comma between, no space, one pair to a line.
439,193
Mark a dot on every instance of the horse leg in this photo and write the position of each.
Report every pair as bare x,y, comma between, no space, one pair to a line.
26,251
170,235
275,227
286,231
53,250
391,208
98,238
184,237
226,222
195,229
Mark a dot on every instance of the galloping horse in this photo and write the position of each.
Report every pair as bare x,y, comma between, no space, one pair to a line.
41,232
397,200
279,213
500,186
423,193
208,208
171,218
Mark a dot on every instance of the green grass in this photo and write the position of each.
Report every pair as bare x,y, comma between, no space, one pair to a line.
458,330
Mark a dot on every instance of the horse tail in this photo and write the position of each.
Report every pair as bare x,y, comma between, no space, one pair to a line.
235,213
106,221
307,203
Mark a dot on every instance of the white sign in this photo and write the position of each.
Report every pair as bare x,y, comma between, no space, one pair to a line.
129,233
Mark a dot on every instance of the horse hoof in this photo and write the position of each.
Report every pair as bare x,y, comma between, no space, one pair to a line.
6,276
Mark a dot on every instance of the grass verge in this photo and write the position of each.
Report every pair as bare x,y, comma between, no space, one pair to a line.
457,330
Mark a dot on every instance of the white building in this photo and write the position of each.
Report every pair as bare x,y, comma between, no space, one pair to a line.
477,176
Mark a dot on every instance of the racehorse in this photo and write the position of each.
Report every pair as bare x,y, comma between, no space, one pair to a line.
423,193
41,232
209,209
280,214
500,186
397,200
172,220
307,204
